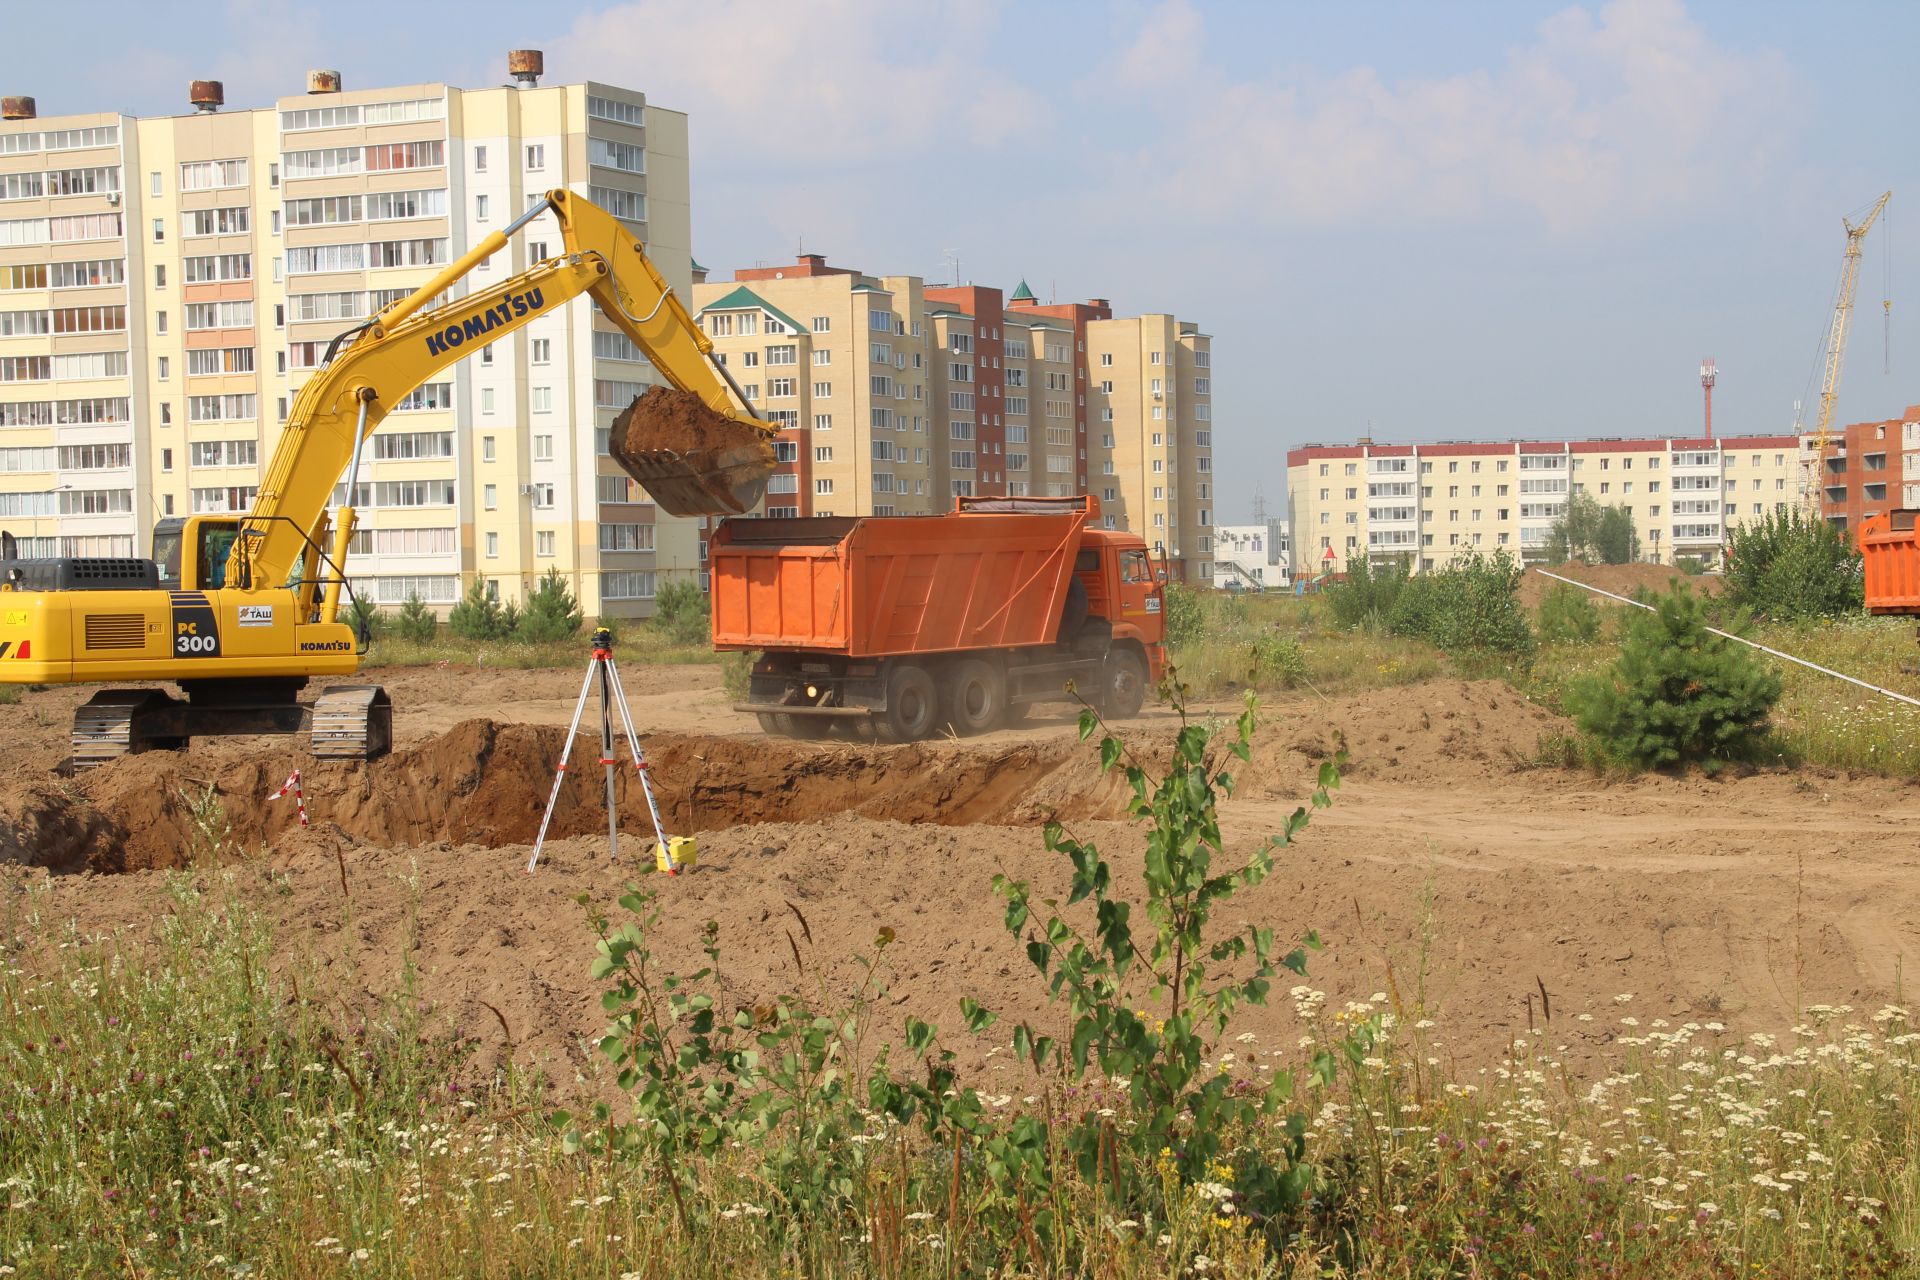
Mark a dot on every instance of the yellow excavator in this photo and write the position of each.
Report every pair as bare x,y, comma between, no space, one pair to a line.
241,611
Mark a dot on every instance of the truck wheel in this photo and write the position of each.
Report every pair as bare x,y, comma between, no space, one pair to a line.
1126,685
806,728
913,705
976,696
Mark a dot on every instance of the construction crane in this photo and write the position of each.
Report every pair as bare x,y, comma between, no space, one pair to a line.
1837,348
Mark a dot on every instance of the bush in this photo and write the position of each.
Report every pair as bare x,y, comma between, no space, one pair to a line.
1793,565
477,616
1278,659
366,620
680,612
1365,601
1568,616
1471,606
550,613
1678,693
1186,615
416,622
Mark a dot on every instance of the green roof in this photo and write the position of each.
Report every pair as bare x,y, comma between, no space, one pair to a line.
743,299
694,263
1023,294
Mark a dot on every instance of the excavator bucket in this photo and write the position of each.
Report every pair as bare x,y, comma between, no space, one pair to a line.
694,460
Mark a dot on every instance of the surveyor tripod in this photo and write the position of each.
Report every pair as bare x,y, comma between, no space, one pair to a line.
601,669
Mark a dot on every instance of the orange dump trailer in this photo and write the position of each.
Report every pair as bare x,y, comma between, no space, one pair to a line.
1890,555
911,624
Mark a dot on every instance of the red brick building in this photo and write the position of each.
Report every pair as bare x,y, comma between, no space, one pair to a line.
1862,472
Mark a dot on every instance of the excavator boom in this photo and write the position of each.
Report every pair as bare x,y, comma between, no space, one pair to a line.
241,611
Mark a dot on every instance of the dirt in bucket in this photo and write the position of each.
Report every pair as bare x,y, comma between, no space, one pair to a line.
663,418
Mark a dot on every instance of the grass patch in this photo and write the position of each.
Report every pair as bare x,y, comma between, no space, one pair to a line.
1817,720
1275,642
173,1110
636,644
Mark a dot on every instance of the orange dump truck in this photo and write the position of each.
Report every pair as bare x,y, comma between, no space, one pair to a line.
918,623
1890,556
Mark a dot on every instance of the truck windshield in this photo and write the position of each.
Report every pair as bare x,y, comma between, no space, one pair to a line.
1134,567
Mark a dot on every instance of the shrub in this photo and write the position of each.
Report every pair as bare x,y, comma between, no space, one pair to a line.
366,620
1471,606
550,613
1678,693
1365,601
1278,659
477,616
1186,615
1692,566
1568,616
1792,565
680,612
416,622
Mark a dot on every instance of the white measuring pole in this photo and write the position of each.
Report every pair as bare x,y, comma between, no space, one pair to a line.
1785,657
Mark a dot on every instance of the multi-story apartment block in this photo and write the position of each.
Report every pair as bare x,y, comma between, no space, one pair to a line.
168,284
894,396
1428,502
1871,468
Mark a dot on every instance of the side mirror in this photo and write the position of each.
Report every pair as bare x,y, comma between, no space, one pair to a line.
1160,575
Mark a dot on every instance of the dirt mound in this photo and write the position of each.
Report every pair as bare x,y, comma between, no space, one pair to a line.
485,783
1439,731
1621,579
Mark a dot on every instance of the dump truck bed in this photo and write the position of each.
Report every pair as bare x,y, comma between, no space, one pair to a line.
1890,557
992,574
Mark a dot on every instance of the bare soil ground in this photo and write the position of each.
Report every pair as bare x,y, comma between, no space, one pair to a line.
1621,579
1450,870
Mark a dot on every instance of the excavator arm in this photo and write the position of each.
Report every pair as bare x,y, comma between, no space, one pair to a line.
371,369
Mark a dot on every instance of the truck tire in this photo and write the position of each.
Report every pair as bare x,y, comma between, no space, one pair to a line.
913,705
976,696
1125,685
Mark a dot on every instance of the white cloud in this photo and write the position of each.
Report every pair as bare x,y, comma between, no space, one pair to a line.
815,84
1629,113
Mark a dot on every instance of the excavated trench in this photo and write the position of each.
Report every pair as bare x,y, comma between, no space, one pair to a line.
486,783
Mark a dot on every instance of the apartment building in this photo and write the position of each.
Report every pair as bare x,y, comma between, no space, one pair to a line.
168,284
893,396
1871,468
1428,502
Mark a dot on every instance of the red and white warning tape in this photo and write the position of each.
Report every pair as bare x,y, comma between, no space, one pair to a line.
292,786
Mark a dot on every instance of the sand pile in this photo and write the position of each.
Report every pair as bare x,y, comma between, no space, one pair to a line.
1621,579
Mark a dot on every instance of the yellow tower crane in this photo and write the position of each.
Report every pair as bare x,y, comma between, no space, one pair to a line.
1837,349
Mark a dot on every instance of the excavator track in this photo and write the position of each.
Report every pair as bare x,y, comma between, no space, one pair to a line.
352,722
118,722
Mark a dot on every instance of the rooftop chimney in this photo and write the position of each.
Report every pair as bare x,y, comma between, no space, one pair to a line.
17,109
323,81
526,66
207,96
813,259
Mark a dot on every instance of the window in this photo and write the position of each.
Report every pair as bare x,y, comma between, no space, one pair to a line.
618,111
407,253
631,205
479,159
823,390
823,486
543,448
823,453
223,267
325,163
536,155
624,156
406,155
225,315
412,444
778,388
542,350
490,497
208,175
216,360
493,546
543,542
542,496
230,408
823,422
633,585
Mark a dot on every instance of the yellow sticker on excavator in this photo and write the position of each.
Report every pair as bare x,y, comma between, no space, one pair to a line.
16,618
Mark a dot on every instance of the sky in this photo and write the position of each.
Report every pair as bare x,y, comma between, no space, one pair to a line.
1413,221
